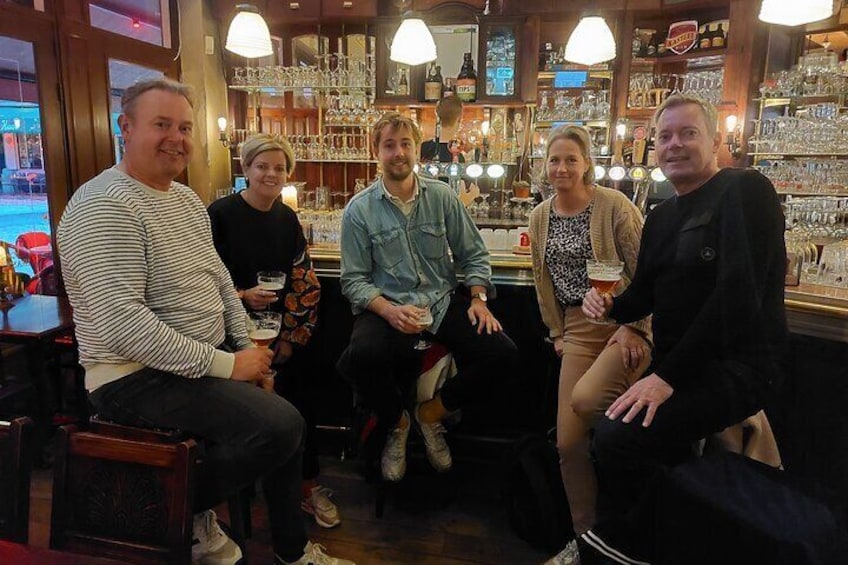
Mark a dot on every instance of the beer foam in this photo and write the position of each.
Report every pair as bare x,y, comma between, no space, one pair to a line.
272,286
262,334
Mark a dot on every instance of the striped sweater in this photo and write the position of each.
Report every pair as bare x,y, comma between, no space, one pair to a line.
145,282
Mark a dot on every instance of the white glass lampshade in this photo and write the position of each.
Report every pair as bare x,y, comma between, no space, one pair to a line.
591,42
413,43
787,13
495,171
248,35
617,172
657,175
600,172
474,170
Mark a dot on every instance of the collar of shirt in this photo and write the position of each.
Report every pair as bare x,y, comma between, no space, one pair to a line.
394,198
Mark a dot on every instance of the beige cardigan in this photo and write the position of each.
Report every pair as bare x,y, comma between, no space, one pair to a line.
615,230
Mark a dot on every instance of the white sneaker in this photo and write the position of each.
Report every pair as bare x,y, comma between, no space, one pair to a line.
393,462
438,452
568,556
209,544
318,504
315,554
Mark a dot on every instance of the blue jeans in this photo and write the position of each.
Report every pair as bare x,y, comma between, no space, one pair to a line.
247,433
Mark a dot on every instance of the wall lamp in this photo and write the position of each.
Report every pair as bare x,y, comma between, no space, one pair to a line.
734,136
223,136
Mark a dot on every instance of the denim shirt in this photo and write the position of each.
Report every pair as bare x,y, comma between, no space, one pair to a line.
405,258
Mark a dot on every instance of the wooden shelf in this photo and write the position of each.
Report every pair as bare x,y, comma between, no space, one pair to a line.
779,156
700,53
587,123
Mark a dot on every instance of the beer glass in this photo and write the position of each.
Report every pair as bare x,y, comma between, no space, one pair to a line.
274,281
603,277
262,329
424,321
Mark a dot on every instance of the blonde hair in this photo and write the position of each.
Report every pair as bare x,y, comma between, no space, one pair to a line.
707,110
397,122
578,135
262,142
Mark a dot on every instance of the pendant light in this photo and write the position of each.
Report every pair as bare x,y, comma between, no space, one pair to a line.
784,12
248,35
413,43
591,42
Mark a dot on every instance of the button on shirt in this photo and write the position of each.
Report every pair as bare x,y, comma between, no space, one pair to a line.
404,257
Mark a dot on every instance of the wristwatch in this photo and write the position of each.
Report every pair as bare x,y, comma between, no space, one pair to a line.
481,295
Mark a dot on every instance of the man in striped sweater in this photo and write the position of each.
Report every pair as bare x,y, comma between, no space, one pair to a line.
162,333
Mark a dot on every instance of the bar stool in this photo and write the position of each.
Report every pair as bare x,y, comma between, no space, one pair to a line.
126,493
15,468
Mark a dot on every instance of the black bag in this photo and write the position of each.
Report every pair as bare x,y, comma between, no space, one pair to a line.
535,498
732,510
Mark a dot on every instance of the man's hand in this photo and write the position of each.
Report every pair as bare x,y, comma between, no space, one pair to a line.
596,306
282,352
258,299
478,313
267,384
559,346
648,393
634,348
251,363
403,318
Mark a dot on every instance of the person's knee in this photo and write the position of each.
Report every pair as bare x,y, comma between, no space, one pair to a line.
588,404
284,431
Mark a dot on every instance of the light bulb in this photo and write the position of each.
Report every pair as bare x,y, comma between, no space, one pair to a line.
222,123
730,123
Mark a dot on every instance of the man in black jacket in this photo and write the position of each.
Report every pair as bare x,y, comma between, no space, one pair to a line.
710,270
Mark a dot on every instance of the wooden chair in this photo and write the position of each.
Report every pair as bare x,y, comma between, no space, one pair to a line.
15,468
124,492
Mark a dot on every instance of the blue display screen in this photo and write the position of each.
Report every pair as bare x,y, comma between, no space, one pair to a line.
570,79
241,183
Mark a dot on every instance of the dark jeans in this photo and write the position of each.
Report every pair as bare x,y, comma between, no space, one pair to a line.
384,365
632,460
296,382
247,432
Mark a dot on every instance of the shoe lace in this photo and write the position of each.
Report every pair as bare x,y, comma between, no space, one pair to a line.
318,555
433,433
568,556
322,491
210,528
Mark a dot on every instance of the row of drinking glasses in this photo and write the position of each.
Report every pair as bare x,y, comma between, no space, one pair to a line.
350,110
347,73
322,227
815,74
331,147
817,176
821,219
565,108
802,134
510,210
648,90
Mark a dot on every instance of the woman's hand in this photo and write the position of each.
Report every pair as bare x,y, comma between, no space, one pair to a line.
258,299
559,346
634,348
596,306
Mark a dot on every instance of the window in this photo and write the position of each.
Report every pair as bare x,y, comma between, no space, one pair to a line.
122,75
144,20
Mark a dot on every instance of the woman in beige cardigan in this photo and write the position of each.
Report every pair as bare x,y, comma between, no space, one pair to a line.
599,362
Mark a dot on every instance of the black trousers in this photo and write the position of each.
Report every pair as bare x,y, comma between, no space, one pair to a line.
632,461
383,364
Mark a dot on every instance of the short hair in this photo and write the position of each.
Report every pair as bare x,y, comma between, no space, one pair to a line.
397,122
131,94
449,110
578,135
707,110
262,142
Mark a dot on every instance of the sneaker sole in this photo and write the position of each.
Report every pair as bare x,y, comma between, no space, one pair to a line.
318,520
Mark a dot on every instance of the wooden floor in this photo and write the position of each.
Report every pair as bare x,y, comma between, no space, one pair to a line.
429,519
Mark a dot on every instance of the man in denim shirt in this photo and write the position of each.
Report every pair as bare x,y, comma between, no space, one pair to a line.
396,236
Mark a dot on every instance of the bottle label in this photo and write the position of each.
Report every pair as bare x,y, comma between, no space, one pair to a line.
466,89
718,41
432,90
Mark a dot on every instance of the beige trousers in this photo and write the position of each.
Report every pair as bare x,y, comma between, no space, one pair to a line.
591,377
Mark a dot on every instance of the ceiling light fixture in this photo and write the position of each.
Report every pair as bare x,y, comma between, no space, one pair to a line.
413,43
784,12
591,42
248,35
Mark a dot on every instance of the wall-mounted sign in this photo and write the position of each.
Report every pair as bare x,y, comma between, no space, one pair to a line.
682,36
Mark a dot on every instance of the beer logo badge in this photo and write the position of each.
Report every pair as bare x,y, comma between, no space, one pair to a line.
682,36
708,253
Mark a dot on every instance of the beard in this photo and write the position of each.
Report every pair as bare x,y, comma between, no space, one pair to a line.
398,170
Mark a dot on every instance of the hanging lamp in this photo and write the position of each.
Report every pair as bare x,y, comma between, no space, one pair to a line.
591,42
787,13
413,43
248,35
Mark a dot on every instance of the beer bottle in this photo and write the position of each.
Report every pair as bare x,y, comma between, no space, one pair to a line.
719,38
403,85
707,38
466,80
433,85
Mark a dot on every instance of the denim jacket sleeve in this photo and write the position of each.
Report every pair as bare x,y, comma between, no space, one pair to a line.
469,252
356,282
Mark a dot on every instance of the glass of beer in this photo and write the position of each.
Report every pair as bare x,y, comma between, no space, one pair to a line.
262,329
603,277
425,320
274,281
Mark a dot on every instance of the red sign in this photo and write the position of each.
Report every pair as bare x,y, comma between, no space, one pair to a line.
682,36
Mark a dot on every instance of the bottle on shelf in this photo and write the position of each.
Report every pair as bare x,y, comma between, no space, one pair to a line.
466,80
652,46
719,38
433,84
450,87
403,84
706,41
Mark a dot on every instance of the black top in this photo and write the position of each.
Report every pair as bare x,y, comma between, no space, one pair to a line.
430,150
711,270
249,240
